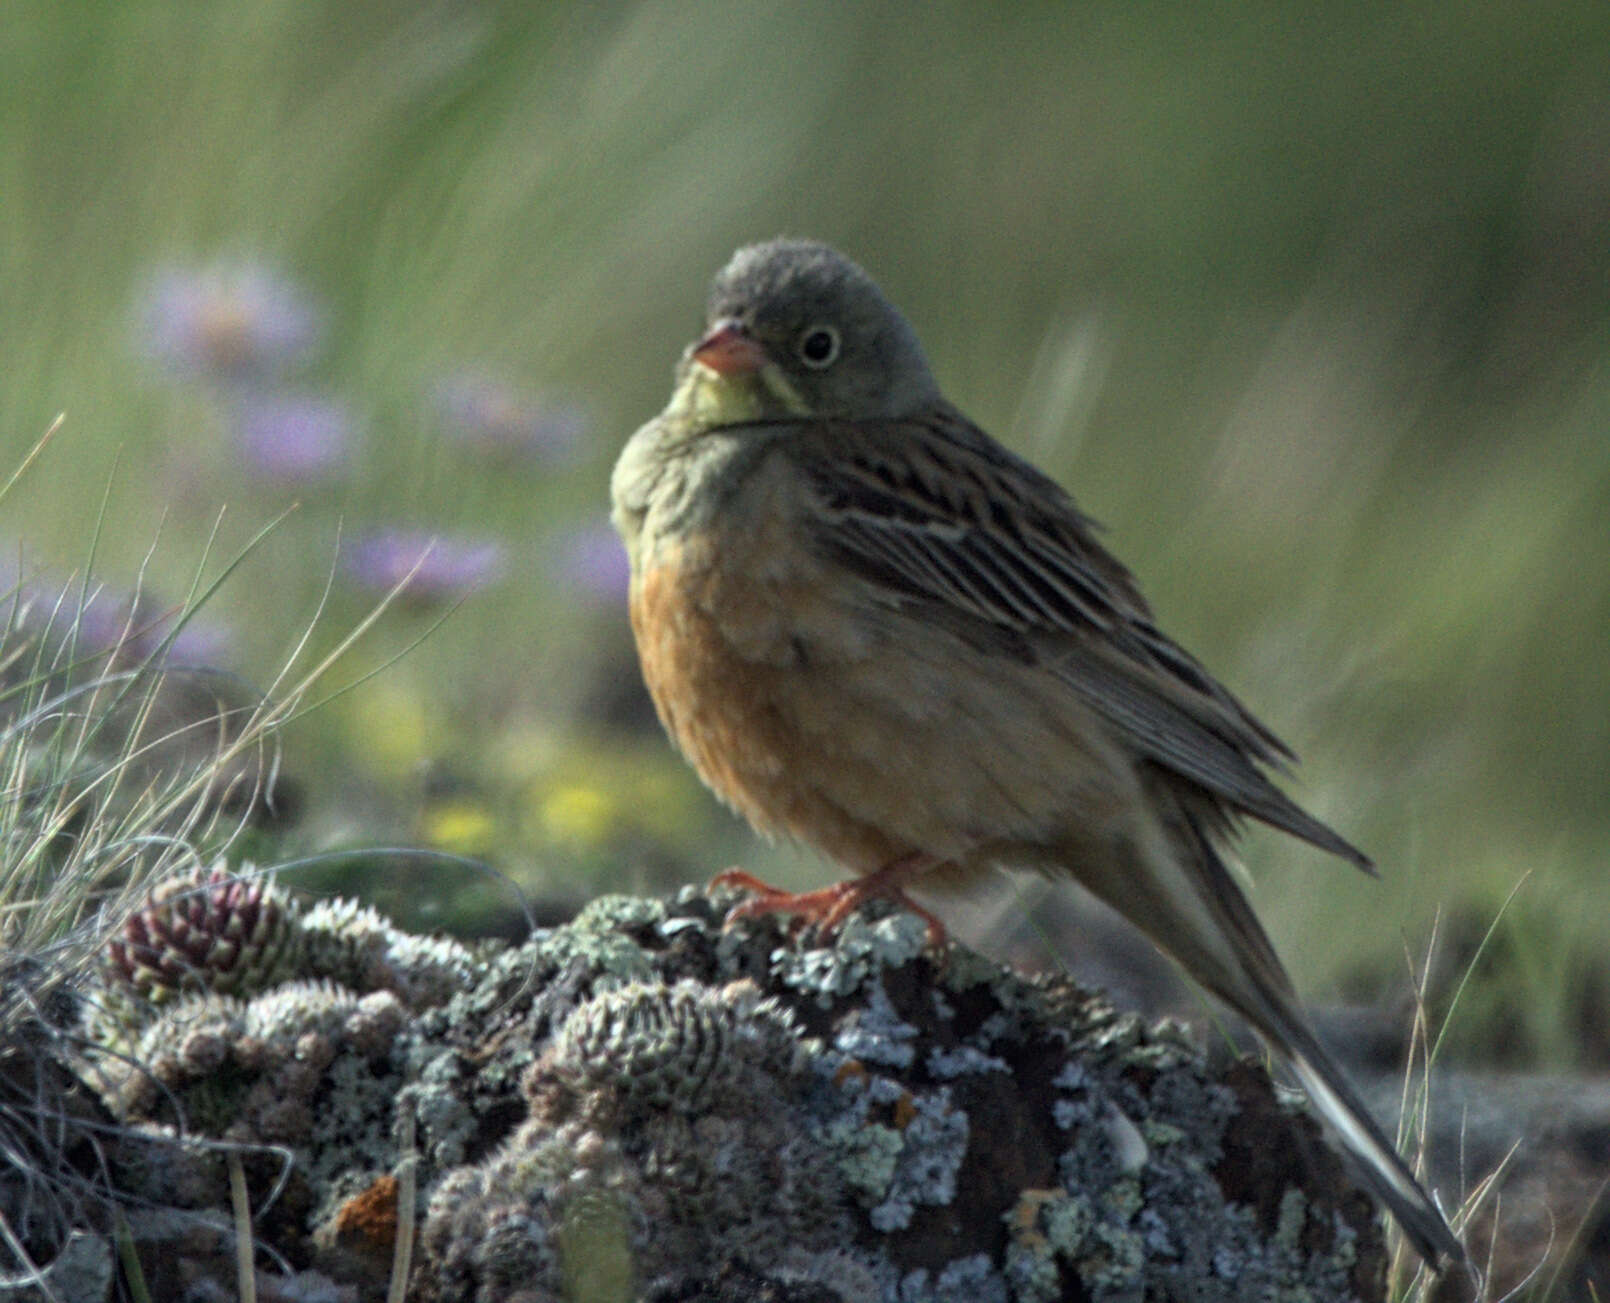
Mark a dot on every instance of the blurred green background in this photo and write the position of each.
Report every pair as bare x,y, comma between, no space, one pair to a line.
1307,301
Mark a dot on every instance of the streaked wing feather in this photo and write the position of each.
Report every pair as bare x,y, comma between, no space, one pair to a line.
1175,739
939,517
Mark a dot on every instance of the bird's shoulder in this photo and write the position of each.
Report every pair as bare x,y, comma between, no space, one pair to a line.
934,499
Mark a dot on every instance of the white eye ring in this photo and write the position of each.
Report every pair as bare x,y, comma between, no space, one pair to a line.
819,347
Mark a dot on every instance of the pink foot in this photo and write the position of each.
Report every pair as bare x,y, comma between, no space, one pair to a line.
828,907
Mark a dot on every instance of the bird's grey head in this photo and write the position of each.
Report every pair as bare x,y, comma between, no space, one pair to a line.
815,332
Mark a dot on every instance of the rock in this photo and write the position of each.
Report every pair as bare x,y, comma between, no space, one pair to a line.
640,1105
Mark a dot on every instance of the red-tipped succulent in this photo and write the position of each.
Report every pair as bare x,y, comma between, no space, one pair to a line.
211,930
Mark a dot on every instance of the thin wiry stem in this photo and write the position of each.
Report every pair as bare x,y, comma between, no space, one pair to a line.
245,1276
407,1178
32,455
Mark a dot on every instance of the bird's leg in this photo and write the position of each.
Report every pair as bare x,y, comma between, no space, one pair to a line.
828,907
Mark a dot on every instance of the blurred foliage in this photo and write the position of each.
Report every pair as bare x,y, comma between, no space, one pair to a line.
1308,301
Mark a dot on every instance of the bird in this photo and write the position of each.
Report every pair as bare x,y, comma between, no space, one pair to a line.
872,628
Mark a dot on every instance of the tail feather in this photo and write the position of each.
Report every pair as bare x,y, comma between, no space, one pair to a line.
1183,897
1262,993
1378,1162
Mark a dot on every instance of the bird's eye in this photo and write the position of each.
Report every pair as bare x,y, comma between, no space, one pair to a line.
819,347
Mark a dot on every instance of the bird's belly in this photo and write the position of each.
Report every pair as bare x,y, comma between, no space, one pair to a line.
866,735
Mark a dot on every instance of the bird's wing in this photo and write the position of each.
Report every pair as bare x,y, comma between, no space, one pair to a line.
940,519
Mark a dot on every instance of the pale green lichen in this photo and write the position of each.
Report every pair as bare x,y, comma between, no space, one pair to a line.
619,913
969,1279
1292,1219
1044,1226
351,1138
610,957
1112,1261
1123,1198
1067,1221
863,948
961,1061
867,1154
438,1099
1031,1274
896,1168
932,1146
1159,1134
874,1033
967,969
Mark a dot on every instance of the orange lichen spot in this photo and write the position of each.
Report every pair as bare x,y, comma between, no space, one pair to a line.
1023,1222
850,1070
371,1216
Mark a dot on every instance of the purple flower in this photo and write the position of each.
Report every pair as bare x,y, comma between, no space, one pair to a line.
231,321
489,416
105,625
294,438
446,567
592,561
124,630
199,644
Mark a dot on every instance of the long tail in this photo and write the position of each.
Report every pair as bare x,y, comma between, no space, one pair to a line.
1379,1164
1185,899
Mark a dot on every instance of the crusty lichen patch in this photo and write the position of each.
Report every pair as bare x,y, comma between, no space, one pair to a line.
647,1095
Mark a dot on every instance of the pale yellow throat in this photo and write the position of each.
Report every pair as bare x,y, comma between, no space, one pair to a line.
711,399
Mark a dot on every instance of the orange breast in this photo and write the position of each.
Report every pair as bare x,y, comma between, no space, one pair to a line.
723,660
863,730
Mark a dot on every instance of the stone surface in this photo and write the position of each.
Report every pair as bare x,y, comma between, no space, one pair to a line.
645,1104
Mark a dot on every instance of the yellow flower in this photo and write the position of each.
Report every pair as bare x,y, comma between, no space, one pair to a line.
390,728
579,813
463,827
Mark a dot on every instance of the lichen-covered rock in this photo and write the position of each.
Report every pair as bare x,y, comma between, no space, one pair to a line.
668,1123
666,1110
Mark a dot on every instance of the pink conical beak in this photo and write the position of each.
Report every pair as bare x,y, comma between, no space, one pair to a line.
729,350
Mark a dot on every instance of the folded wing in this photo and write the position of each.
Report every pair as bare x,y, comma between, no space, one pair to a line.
939,520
